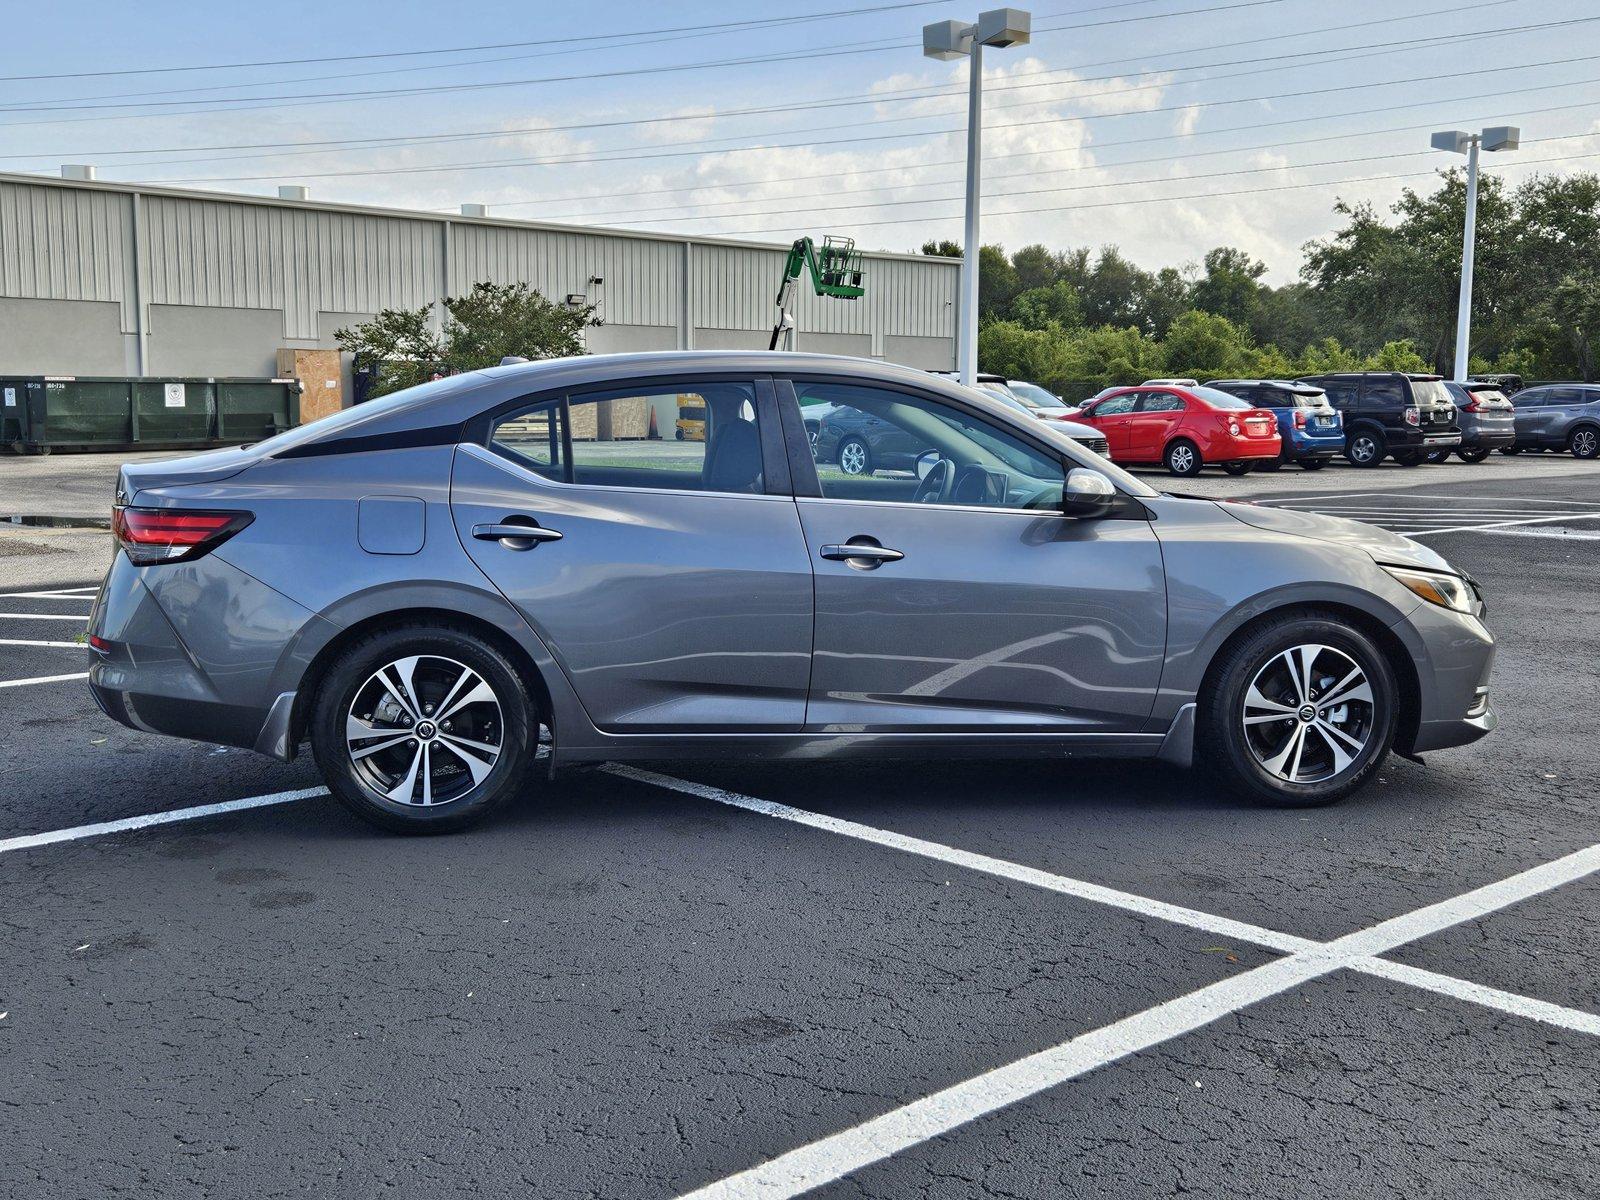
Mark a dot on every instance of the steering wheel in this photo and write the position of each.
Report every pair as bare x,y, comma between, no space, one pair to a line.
934,487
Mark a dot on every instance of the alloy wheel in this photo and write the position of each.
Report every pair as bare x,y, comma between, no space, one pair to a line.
852,458
424,730
1182,459
1363,449
1584,443
1308,714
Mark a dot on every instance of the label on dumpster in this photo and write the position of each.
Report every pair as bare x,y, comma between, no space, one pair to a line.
11,397
174,395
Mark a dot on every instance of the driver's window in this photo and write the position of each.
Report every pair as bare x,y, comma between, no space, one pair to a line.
878,444
1117,406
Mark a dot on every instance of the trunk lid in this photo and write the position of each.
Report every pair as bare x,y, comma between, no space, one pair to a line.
210,467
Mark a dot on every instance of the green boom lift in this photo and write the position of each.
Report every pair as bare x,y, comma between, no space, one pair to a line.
835,271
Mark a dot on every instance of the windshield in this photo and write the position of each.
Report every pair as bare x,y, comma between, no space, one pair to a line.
1035,396
1218,399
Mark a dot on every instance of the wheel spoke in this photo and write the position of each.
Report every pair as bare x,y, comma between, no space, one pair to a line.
477,766
1290,747
1271,710
401,792
358,755
1353,686
1302,660
1341,760
397,678
467,676
427,774
1328,728
479,694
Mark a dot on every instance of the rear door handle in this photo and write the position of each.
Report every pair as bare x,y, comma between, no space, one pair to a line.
867,554
515,536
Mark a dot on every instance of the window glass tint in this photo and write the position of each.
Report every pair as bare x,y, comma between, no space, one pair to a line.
1564,395
1218,399
1116,405
693,438
1530,397
1155,402
1034,396
1429,393
907,448
1384,393
1341,393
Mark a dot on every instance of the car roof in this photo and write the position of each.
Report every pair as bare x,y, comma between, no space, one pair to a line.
1414,376
1287,385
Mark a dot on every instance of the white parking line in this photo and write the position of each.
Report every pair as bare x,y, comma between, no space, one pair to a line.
11,683
62,645
87,595
42,616
1490,527
832,1158
29,841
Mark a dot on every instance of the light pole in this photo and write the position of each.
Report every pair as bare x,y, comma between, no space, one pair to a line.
1500,137
946,40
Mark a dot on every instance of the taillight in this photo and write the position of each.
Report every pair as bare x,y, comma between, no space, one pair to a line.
1299,418
1413,416
168,535
1472,406
1233,428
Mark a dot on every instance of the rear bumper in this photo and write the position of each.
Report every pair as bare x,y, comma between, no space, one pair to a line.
1491,435
1314,445
191,650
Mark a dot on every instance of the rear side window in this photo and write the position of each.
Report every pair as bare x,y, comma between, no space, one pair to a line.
1221,400
1429,392
1383,393
1341,393
693,438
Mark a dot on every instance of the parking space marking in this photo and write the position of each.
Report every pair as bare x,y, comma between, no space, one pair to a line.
29,841
61,645
11,683
56,595
1492,526
832,1158
41,616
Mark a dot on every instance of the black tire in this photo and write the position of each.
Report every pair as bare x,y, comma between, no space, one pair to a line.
846,460
1411,458
1366,448
678,435
34,448
1472,454
1510,449
1183,458
1222,745
1436,456
1238,468
1584,442
1269,465
1313,464
515,725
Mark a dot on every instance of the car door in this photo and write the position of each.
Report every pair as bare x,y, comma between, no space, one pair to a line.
670,580
1113,417
1152,423
1532,415
982,607
1561,408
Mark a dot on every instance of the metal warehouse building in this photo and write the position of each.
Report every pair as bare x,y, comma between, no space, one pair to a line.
123,279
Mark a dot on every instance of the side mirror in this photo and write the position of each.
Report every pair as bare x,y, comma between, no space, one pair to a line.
1087,493
926,461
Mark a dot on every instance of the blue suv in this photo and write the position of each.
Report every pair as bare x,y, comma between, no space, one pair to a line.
1312,429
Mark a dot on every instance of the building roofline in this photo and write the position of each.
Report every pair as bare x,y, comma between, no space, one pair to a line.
417,214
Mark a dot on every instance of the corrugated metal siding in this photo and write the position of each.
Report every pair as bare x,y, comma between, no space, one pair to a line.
641,277
60,244
65,243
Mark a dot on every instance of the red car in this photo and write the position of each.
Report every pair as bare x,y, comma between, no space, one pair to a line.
1186,428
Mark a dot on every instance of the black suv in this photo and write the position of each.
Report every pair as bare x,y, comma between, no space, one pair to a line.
1391,414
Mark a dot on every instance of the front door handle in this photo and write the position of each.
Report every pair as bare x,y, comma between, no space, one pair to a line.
515,536
863,554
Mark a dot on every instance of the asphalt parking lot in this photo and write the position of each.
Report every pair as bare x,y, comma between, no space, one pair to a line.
984,979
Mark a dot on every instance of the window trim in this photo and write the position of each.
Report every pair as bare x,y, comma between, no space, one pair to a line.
479,431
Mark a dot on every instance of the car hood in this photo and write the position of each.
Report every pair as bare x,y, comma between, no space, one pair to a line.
1382,545
1075,429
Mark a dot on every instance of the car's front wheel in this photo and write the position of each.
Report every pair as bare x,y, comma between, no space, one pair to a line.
1299,712
1183,458
423,729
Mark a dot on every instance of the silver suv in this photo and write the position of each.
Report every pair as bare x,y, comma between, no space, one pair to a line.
428,586
1558,416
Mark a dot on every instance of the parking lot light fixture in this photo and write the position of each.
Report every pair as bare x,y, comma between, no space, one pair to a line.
947,40
1455,141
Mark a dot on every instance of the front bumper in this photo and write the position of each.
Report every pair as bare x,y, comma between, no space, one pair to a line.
1454,655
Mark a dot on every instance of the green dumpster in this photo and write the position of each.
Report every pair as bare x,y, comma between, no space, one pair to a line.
45,413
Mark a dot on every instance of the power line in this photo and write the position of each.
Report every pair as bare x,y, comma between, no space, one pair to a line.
293,100
1328,54
826,101
702,146
1142,200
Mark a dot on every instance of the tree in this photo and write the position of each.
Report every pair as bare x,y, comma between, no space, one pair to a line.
1056,305
1558,243
491,321
944,248
1231,286
1203,345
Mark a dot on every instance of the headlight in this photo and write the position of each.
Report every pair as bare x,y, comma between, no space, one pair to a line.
1436,587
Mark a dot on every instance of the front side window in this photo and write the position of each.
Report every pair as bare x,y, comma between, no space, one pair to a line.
1531,398
693,437
1116,406
913,449
1341,393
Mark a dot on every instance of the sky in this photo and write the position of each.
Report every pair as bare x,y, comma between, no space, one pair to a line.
1163,127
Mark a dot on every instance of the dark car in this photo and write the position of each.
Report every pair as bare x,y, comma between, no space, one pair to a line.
1485,417
1391,414
1311,429
862,443
1558,416
456,591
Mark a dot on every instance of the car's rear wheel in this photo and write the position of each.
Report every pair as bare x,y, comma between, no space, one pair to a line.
854,457
1183,458
1313,464
1510,449
1436,456
1366,448
1238,468
1299,712
1584,443
423,729
1472,454
1411,458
